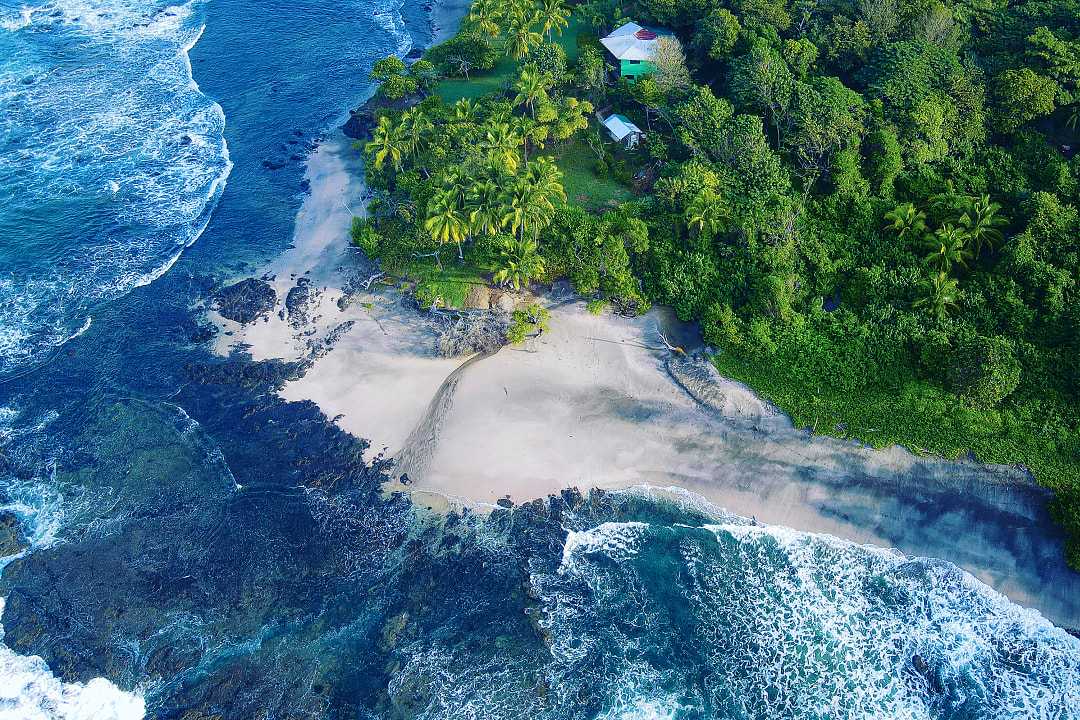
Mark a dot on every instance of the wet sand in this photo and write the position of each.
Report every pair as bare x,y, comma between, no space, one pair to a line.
599,402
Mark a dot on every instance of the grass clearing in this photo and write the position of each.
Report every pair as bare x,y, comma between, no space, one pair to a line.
505,71
583,186
453,283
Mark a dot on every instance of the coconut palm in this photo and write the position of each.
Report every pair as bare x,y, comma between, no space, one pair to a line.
520,36
464,111
523,128
455,185
981,223
485,205
554,15
947,247
521,262
906,221
942,293
531,86
501,146
706,212
546,180
386,144
445,222
414,129
485,14
523,211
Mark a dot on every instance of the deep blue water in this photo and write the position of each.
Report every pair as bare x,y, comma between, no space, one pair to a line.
213,551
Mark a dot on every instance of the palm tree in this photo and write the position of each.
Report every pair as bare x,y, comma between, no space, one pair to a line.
554,15
520,36
386,143
486,207
546,179
706,212
530,201
500,144
906,220
942,292
445,223
454,186
980,222
485,14
414,129
464,111
947,245
521,262
1074,118
532,86
522,208
522,127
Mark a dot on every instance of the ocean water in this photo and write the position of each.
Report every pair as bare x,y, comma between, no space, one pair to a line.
198,548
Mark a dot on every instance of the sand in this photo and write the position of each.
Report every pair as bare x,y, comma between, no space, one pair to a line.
599,402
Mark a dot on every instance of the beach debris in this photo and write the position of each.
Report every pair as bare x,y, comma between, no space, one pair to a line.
468,332
673,348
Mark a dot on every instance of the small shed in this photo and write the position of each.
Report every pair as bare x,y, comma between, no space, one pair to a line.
622,130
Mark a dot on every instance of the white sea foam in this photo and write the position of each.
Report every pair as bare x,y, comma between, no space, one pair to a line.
793,624
122,147
616,540
29,691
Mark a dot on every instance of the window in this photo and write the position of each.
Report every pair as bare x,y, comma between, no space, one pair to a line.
633,62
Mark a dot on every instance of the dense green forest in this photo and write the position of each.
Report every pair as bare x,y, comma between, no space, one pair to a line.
871,207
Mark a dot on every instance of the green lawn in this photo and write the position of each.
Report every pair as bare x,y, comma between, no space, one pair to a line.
577,160
479,84
483,83
453,282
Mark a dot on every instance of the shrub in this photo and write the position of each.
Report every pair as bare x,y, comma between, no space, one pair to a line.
984,370
596,306
531,321
365,237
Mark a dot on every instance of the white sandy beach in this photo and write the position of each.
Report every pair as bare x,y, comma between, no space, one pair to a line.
594,403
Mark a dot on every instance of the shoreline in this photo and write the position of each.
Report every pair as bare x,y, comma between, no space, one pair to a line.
595,404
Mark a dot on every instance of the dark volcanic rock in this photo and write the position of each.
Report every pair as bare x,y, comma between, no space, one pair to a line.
359,124
245,301
299,299
362,119
12,540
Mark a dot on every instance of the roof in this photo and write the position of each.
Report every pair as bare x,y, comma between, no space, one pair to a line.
620,126
632,42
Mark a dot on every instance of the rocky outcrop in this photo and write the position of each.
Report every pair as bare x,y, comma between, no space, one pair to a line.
12,540
300,300
245,301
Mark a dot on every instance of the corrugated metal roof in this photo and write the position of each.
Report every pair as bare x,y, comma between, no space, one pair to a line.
624,44
620,127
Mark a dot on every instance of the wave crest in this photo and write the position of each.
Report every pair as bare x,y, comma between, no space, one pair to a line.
111,164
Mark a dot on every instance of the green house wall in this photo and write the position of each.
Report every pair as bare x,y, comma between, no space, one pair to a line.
632,71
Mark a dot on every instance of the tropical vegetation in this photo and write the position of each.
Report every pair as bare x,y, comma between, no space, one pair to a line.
871,207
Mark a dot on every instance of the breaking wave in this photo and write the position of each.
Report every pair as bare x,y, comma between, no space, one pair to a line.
31,692
735,620
111,161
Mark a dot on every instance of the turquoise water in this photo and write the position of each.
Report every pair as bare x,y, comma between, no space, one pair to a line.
199,547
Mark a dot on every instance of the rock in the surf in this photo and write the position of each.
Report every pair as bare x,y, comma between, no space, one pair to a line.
245,301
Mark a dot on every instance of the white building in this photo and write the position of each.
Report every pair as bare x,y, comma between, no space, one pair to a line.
622,130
